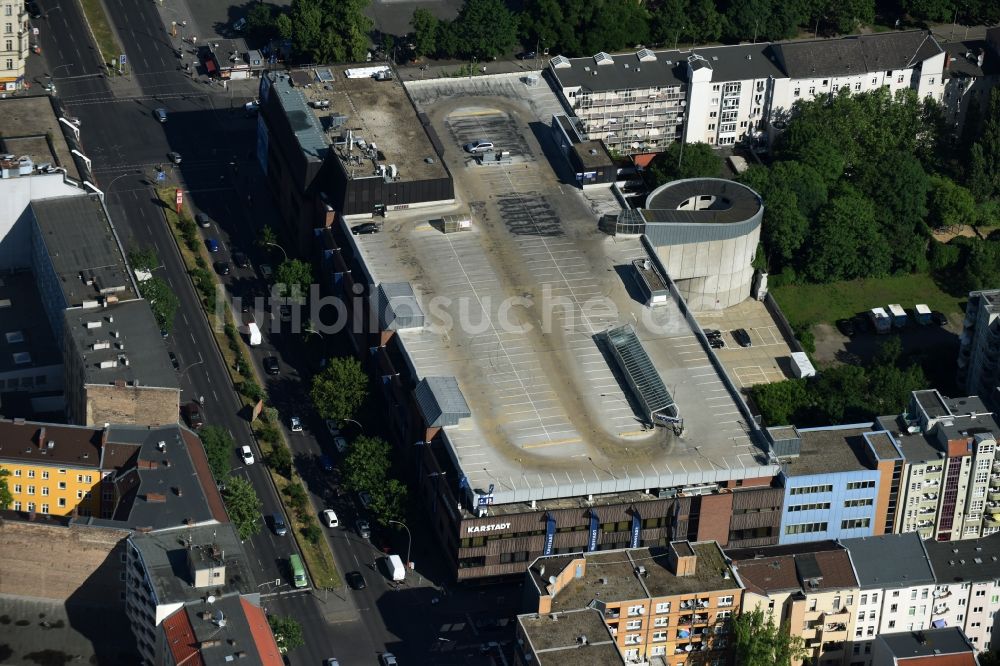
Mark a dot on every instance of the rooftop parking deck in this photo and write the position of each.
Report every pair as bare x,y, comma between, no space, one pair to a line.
513,309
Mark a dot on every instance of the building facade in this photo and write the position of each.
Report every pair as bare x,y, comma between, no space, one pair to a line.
967,594
13,44
896,589
948,488
979,344
670,603
637,102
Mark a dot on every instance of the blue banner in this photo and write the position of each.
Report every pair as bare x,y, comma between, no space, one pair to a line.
636,527
550,534
595,525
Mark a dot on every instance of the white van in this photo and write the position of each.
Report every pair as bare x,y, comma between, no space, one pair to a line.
253,332
394,566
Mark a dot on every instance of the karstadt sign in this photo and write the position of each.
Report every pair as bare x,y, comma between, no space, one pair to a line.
494,527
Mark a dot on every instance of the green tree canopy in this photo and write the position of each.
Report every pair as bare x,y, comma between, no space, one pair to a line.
6,498
846,241
366,466
486,29
330,31
295,275
950,204
219,447
144,258
426,28
162,300
688,160
280,459
339,390
243,506
287,631
262,21
757,641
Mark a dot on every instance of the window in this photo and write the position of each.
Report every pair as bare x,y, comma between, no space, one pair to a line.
859,502
45,491
31,490
31,473
836,603
812,604
796,92
711,126
62,471
893,608
858,485
809,490
635,610
17,506
62,502
79,478
864,599
45,508
31,506
855,523
661,622
713,114
90,479
805,528
659,636
631,639
726,601
815,506
79,494
892,624
931,81
899,79
658,651
663,607
857,86
633,624
17,488
17,472
62,485
850,599
45,475
812,90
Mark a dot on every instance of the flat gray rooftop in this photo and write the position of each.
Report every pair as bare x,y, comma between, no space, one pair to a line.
838,449
916,447
549,416
82,248
26,122
24,327
131,344
556,642
701,201
165,556
377,112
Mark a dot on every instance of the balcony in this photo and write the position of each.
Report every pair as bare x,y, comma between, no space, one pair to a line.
994,495
993,520
940,609
942,594
612,614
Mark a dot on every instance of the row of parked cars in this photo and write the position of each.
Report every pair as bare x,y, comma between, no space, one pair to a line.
715,340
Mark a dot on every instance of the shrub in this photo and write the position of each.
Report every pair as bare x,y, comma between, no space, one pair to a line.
804,334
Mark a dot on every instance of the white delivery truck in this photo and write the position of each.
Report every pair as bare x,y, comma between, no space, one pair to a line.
395,568
253,332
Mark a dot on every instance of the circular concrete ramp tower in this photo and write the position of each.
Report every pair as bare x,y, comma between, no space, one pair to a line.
705,231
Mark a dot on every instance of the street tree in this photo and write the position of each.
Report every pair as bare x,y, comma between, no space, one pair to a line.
389,502
6,498
683,160
144,259
243,506
339,389
759,642
330,30
261,21
366,467
266,237
287,631
295,276
162,300
219,446
426,27
486,29
280,459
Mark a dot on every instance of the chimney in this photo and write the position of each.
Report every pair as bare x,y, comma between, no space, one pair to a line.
41,437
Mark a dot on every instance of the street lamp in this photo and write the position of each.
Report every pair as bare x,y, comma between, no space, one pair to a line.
409,538
69,64
355,423
280,248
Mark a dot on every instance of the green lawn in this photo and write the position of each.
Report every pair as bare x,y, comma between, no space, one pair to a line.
98,20
815,303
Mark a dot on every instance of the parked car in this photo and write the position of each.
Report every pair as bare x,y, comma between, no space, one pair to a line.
742,337
355,580
862,324
330,518
194,415
222,267
846,326
331,427
388,659
278,524
364,229
203,220
271,366
479,146
364,528
173,360
365,499
295,423
332,661
326,463
939,318
246,454
239,24
711,333
716,343
161,115
266,271
212,245
340,443
241,260
174,157
527,55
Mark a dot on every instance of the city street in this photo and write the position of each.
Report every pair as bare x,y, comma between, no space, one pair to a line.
207,126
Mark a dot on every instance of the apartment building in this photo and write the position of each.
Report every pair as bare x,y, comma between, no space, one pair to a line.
670,603
972,70
833,480
191,597
13,44
967,590
813,595
643,101
979,343
934,647
949,485
896,587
